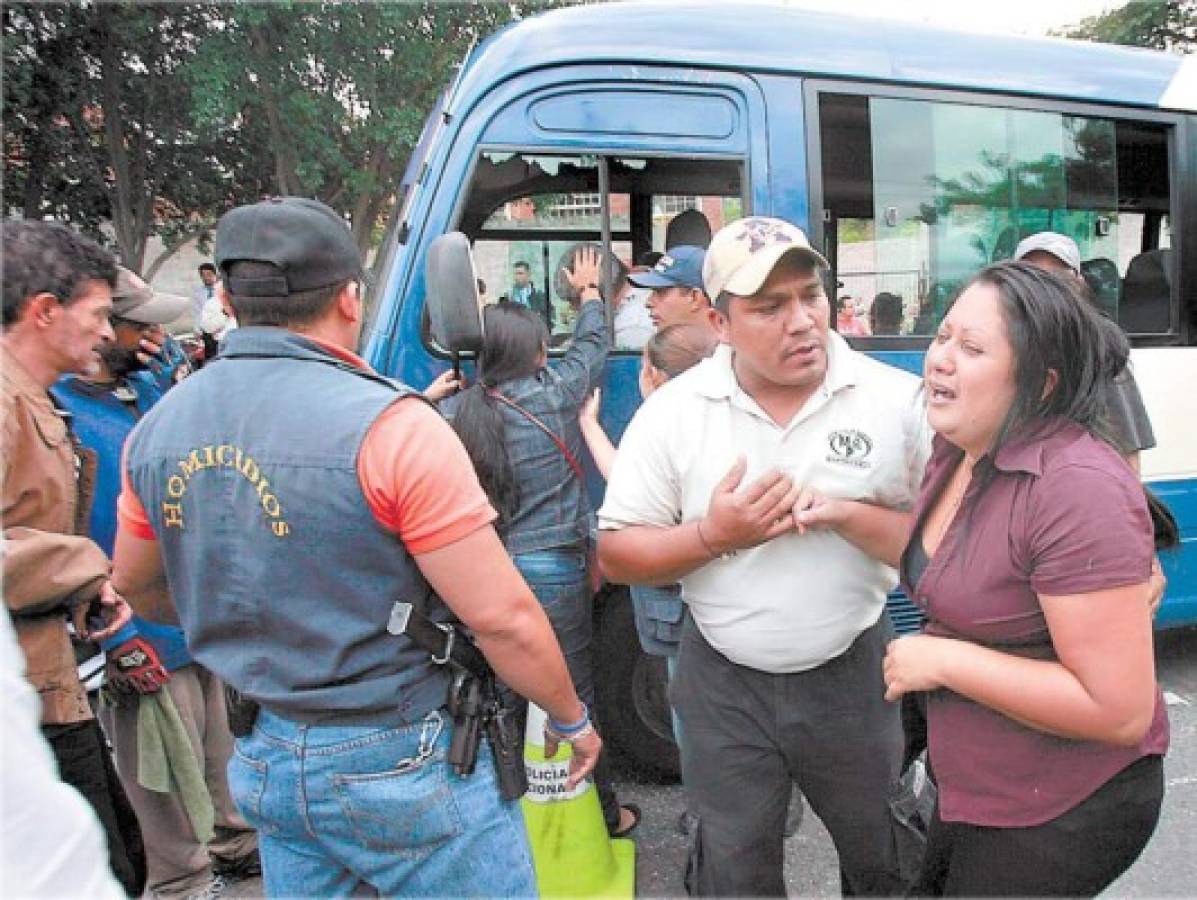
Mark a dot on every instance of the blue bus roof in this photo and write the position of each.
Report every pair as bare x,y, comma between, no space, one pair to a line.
754,37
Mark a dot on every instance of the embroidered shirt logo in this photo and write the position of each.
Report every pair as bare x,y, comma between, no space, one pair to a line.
224,456
850,447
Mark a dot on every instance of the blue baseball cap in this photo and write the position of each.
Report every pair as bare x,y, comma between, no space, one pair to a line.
679,267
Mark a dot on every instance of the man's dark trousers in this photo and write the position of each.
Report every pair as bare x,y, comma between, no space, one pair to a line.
750,735
86,765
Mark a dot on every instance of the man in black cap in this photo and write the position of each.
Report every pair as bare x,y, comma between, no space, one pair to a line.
292,495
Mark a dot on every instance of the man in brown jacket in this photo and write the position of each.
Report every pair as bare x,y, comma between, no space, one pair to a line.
57,297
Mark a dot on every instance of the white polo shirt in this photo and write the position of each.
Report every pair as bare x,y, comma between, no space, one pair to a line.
799,600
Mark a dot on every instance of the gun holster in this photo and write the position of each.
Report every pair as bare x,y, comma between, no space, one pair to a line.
241,710
473,698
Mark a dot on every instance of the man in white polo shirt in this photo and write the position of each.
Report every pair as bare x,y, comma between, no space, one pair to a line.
721,482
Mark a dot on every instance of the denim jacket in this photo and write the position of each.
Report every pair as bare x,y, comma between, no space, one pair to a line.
554,510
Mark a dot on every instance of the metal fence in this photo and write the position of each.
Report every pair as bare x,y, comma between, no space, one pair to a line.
909,284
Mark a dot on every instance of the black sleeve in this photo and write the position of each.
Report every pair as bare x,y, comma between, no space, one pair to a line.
1126,416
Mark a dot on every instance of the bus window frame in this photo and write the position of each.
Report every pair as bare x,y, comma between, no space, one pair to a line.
1182,215
744,162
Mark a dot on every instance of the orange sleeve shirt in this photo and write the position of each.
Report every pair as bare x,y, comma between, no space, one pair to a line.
416,476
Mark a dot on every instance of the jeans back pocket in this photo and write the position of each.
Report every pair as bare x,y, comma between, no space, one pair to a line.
247,785
408,810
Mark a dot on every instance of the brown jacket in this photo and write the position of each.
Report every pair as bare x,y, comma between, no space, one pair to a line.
49,568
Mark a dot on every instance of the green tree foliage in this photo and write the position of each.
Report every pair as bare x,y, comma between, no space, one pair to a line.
338,91
97,124
1161,24
134,119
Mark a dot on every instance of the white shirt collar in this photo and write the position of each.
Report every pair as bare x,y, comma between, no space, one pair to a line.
715,378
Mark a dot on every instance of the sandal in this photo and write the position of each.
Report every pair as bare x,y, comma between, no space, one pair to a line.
635,813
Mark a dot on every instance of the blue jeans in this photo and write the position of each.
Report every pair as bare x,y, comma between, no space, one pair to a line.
350,810
560,581
671,673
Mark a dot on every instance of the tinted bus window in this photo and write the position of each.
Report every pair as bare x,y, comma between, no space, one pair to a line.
920,195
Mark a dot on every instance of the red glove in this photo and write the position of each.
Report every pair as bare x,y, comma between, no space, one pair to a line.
133,665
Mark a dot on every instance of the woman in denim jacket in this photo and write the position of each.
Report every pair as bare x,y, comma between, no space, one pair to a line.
668,353
658,610
519,423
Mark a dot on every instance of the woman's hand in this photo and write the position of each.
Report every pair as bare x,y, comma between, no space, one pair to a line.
602,451
1156,585
586,270
444,385
915,663
815,511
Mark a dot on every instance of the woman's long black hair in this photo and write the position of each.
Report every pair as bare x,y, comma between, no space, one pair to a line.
513,345
1052,327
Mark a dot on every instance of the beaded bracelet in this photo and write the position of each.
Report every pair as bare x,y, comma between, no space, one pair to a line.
707,544
567,731
572,738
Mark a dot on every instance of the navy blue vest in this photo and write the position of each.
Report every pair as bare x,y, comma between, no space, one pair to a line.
282,576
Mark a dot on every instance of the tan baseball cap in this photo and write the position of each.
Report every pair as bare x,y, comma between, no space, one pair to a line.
136,301
742,254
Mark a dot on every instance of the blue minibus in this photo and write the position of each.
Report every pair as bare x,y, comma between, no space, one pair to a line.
911,155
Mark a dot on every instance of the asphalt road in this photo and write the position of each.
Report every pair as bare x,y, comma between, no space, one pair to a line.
1168,868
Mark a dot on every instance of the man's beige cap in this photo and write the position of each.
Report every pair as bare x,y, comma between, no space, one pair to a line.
136,301
742,254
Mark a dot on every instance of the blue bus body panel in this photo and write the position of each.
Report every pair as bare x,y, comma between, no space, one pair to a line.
1180,564
795,41
593,109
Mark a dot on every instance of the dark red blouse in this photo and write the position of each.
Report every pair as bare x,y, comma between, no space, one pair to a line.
1062,514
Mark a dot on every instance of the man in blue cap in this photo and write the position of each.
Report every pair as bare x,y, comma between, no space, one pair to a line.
677,294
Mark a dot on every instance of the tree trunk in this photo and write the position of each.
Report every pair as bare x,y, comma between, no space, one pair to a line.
369,203
130,237
286,165
181,241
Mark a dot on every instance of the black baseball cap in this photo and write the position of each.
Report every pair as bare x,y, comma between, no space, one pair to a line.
305,240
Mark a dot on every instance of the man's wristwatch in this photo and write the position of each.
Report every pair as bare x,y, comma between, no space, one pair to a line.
590,287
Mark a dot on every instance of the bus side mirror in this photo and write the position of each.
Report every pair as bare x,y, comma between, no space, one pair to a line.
454,306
